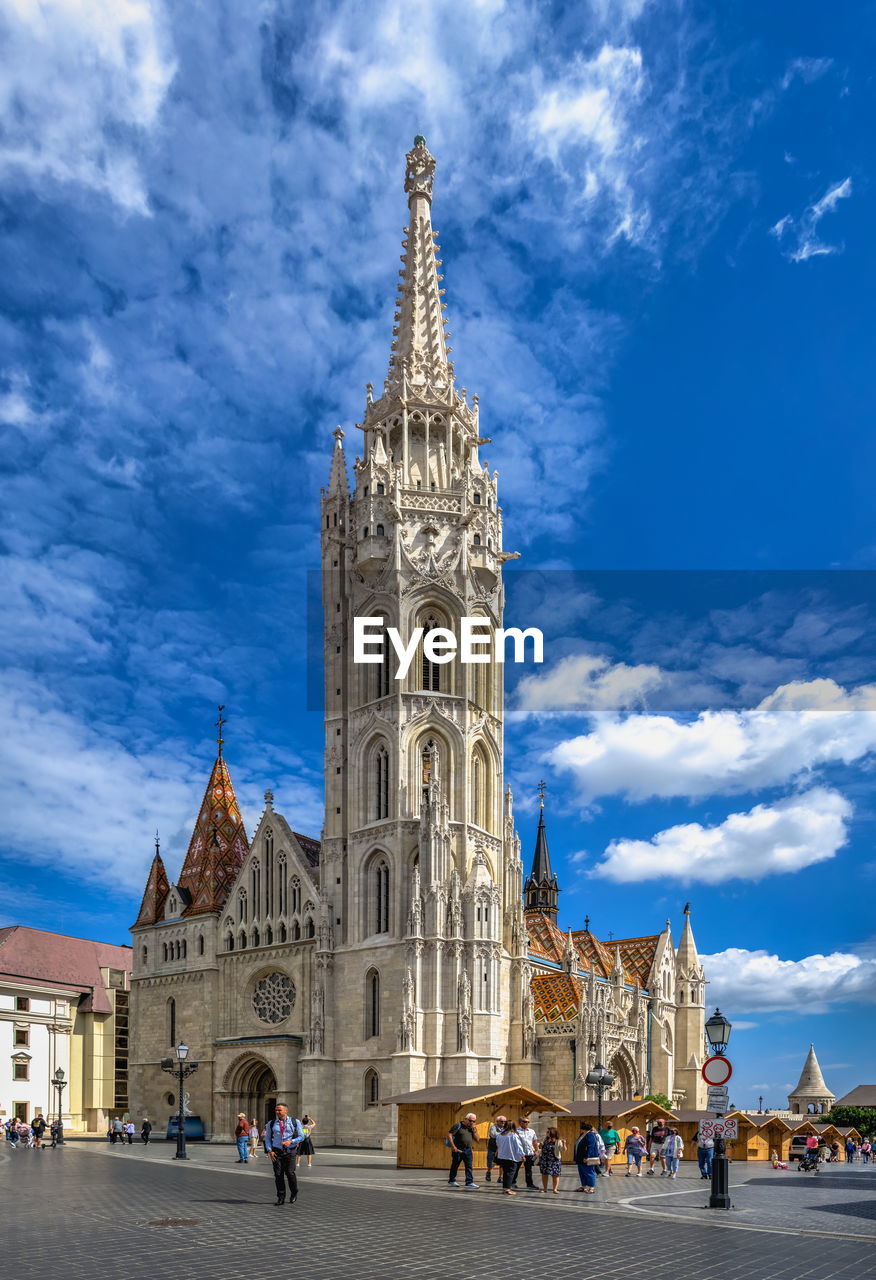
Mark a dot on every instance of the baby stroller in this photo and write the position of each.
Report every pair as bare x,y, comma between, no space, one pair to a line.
809,1163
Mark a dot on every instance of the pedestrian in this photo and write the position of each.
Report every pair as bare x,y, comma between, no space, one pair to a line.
850,1150
118,1131
308,1124
588,1156
241,1137
55,1130
253,1138
673,1150
634,1150
493,1149
611,1140
461,1139
145,1131
550,1160
510,1153
656,1138
25,1133
130,1130
38,1125
12,1133
282,1136
528,1139
705,1153
866,1151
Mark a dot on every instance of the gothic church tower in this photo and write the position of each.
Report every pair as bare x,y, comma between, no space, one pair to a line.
420,865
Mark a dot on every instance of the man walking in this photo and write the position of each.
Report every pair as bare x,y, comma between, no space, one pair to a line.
38,1125
146,1130
118,1131
282,1138
461,1139
705,1152
241,1137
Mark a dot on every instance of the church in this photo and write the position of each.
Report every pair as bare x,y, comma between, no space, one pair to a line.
404,948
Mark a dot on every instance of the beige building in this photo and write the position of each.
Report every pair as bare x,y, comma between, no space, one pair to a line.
63,1003
400,951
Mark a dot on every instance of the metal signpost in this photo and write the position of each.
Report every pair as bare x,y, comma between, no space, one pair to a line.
180,1068
716,1072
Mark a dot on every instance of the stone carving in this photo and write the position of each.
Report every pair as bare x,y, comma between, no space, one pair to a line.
463,1011
273,998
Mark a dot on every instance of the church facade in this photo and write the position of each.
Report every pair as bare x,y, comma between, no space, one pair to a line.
403,949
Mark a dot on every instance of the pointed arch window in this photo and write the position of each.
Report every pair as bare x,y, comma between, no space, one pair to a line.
431,673
242,940
145,955
296,932
372,1088
165,953
309,931
381,783
241,906
269,873
372,1004
477,540
256,940
477,786
281,884
381,897
229,942
380,531
296,894
256,887
429,766
171,1022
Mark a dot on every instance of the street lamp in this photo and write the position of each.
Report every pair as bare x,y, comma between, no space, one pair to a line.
180,1068
60,1084
718,1035
602,1079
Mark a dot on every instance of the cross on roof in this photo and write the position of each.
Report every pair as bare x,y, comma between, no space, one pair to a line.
541,787
220,723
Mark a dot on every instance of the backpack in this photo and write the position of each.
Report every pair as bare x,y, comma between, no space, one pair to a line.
456,1128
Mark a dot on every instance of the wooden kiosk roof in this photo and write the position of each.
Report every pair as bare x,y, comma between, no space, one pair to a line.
618,1107
512,1095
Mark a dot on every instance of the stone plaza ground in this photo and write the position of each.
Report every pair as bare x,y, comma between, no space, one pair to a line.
96,1211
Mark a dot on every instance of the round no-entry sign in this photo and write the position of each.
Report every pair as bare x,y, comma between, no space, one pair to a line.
717,1070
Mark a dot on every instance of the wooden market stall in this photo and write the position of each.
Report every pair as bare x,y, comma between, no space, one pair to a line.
621,1113
760,1134
687,1122
426,1115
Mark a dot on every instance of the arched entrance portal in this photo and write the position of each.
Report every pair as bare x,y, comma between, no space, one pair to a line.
252,1086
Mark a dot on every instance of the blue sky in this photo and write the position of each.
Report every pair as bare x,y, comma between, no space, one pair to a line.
657,223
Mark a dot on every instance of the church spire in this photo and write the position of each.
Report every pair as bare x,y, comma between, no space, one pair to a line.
419,346
337,485
218,845
812,1091
541,889
156,891
686,957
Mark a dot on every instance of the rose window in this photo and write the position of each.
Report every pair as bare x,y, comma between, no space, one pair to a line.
273,997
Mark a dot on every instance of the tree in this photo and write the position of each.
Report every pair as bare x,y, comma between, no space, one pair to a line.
861,1118
661,1100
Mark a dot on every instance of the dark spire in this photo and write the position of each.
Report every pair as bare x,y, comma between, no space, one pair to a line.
541,889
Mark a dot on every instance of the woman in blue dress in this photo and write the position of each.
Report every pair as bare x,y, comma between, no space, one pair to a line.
550,1160
587,1157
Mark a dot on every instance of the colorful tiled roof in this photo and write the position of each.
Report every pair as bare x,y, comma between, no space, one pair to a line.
592,952
55,958
637,955
546,939
217,848
555,997
309,847
155,894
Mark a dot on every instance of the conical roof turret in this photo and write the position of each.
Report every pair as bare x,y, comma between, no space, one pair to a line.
338,485
687,958
811,1084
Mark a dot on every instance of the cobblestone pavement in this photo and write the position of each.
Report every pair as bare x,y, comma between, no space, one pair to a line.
89,1211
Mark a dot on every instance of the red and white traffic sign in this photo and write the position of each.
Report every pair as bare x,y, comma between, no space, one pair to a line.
717,1070
719,1129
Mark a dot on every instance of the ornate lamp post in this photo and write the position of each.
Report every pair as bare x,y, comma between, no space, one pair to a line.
718,1035
180,1068
60,1084
602,1079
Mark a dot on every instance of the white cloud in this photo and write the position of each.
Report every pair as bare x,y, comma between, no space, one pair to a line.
799,727
756,981
583,682
78,76
804,228
767,840
589,117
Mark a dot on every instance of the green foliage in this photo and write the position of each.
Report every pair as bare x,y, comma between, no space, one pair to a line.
862,1118
661,1100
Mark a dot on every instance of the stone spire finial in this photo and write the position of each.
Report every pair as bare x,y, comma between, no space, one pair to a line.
338,473
269,799
419,346
220,725
419,171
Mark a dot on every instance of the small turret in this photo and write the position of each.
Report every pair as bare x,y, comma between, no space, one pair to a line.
541,890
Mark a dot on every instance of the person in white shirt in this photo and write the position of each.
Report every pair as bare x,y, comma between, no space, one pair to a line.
673,1150
529,1142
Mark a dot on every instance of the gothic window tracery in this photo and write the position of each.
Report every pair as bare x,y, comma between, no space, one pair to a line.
380,877
372,1004
381,783
296,894
372,1088
431,671
273,998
